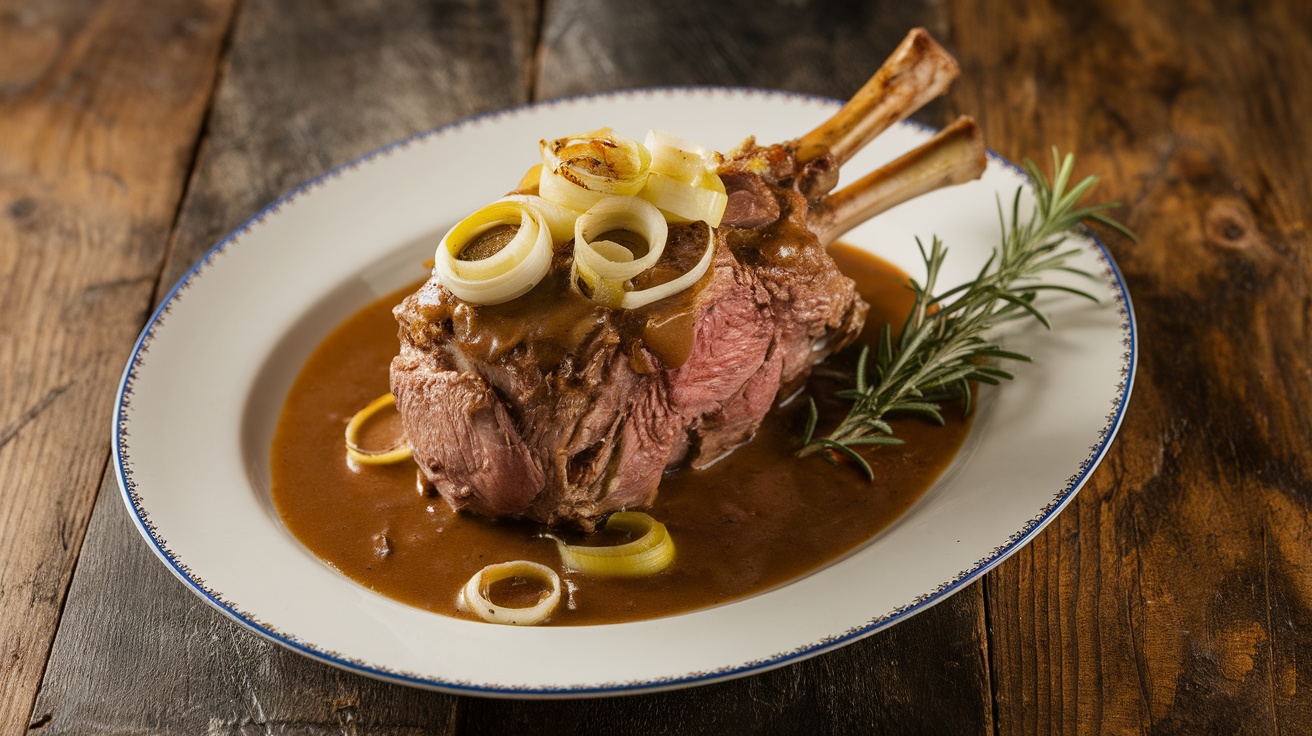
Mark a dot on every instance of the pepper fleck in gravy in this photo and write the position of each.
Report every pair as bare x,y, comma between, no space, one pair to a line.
756,519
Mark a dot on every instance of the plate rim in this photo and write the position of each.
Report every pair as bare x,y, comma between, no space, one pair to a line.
121,457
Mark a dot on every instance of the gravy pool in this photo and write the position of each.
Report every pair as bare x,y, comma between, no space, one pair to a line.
756,519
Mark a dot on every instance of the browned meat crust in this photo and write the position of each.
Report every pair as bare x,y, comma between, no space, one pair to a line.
566,426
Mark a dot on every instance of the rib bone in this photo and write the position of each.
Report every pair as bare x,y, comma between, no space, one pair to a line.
954,156
918,71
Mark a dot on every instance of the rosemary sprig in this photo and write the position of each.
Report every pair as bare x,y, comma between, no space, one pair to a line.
944,344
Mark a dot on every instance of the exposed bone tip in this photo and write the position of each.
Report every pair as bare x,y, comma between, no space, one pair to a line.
927,44
917,71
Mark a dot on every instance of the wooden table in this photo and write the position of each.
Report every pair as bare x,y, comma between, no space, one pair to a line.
1175,594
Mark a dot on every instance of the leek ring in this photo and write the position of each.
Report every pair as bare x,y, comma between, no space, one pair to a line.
606,266
643,297
688,202
472,599
650,553
559,219
578,171
398,453
679,157
510,272
683,182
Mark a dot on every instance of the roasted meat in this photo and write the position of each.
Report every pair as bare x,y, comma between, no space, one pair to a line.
553,408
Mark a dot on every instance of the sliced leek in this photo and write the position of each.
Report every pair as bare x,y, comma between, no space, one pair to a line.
579,171
703,199
679,157
606,266
617,184
683,182
559,219
395,454
511,271
643,297
473,597
651,552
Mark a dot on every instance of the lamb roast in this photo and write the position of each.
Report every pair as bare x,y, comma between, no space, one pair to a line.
554,408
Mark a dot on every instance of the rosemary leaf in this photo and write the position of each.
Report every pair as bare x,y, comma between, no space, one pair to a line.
944,345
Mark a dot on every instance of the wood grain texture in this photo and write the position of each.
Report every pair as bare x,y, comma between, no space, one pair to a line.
1174,595
824,48
306,87
148,656
95,145
928,674
198,672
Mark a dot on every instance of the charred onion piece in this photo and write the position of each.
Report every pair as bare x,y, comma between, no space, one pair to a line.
578,171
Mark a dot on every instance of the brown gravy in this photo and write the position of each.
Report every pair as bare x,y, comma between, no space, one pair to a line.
753,521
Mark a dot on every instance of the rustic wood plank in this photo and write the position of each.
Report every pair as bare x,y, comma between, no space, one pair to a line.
818,48
307,86
926,675
921,676
95,144
1173,596
152,658
310,88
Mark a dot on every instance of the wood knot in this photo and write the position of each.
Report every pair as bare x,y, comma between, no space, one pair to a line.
1228,224
23,208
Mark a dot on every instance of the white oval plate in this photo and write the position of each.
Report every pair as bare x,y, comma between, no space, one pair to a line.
202,390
